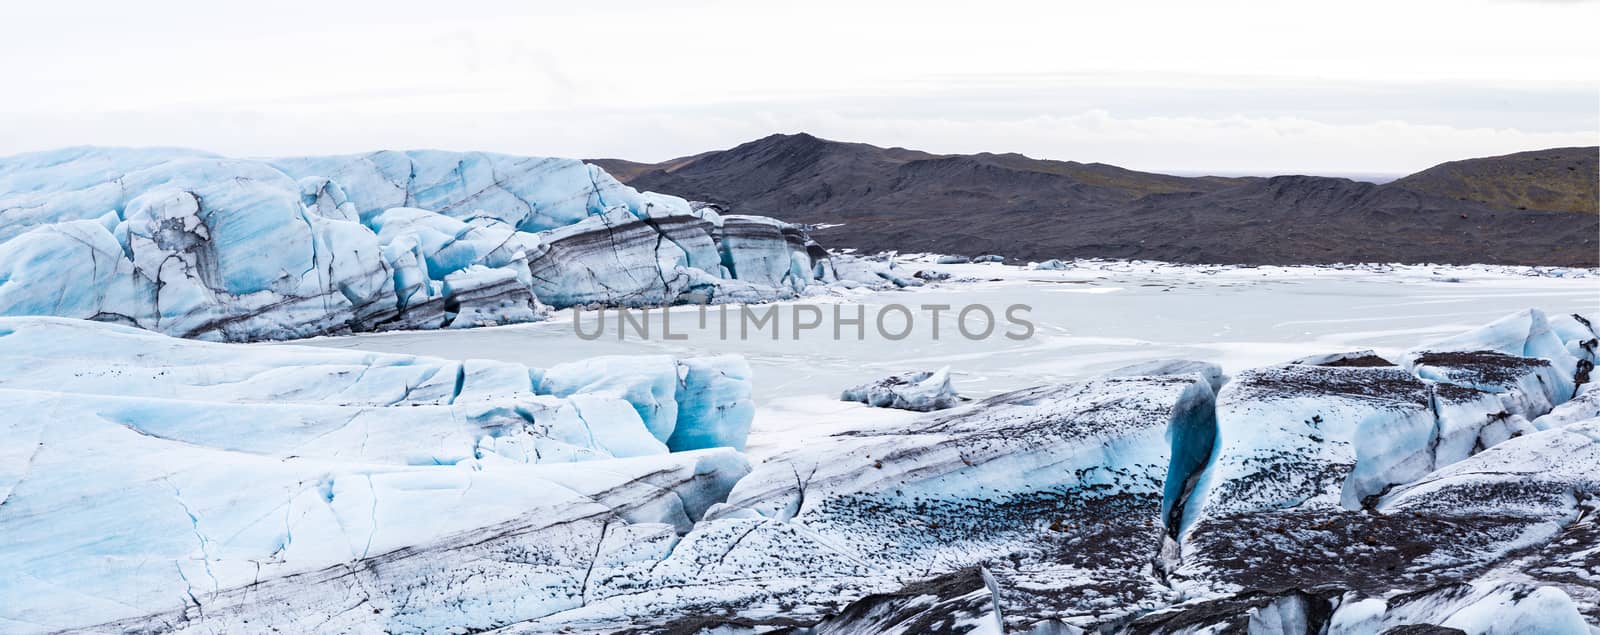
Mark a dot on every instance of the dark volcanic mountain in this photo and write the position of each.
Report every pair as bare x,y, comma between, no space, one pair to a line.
1561,179
1023,208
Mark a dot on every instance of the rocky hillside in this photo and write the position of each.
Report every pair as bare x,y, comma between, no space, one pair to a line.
1023,208
810,178
1561,179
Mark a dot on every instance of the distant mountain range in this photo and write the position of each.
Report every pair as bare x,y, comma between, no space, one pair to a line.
1534,208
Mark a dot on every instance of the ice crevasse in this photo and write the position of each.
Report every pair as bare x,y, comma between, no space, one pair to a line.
202,246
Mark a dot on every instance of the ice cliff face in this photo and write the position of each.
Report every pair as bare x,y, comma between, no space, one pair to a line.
150,484
201,246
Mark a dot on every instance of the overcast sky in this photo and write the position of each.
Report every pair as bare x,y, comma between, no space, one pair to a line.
1225,87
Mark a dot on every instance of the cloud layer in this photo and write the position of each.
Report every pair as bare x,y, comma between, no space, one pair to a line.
1361,86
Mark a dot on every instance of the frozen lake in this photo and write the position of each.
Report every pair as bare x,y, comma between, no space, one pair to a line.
1086,322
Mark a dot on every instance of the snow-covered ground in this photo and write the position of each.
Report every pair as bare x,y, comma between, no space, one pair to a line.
1089,319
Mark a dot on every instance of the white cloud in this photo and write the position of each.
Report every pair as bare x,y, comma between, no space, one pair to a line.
1236,144
1357,86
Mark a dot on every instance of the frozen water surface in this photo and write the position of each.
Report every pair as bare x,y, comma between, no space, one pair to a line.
1088,320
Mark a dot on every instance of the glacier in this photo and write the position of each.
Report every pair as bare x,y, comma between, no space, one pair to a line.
158,484
1383,495
1010,485
202,246
239,472
1334,497
922,391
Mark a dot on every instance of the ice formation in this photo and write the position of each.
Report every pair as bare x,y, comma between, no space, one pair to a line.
848,516
922,391
1419,494
1212,373
242,473
201,246
863,271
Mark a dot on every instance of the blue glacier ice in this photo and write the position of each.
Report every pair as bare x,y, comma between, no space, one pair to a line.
688,404
1581,408
649,383
1521,358
313,401
201,246
714,406
142,475
1429,475
530,194
149,483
